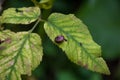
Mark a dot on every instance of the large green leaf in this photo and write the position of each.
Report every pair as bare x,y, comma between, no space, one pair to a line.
78,44
20,53
20,15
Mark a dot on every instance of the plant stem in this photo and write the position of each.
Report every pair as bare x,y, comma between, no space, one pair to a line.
31,30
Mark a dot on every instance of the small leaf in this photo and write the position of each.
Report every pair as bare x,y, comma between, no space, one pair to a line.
20,53
78,43
20,15
44,1
45,4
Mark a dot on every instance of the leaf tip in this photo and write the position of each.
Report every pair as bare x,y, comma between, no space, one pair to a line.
107,72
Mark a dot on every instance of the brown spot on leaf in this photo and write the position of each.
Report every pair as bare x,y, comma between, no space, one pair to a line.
79,62
95,67
85,66
8,40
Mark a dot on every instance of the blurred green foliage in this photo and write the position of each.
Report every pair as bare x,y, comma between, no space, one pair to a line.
103,20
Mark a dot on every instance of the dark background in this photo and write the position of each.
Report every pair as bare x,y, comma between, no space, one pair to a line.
103,20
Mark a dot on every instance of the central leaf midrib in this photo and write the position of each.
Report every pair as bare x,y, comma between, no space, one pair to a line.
16,57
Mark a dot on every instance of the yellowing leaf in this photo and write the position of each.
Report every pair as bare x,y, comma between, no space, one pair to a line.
75,39
44,1
20,53
45,4
20,15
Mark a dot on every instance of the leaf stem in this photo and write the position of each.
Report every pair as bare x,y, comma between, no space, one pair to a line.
39,19
31,30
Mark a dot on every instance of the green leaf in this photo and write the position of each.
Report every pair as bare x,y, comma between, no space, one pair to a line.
20,15
78,44
45,4
44,1
20,53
